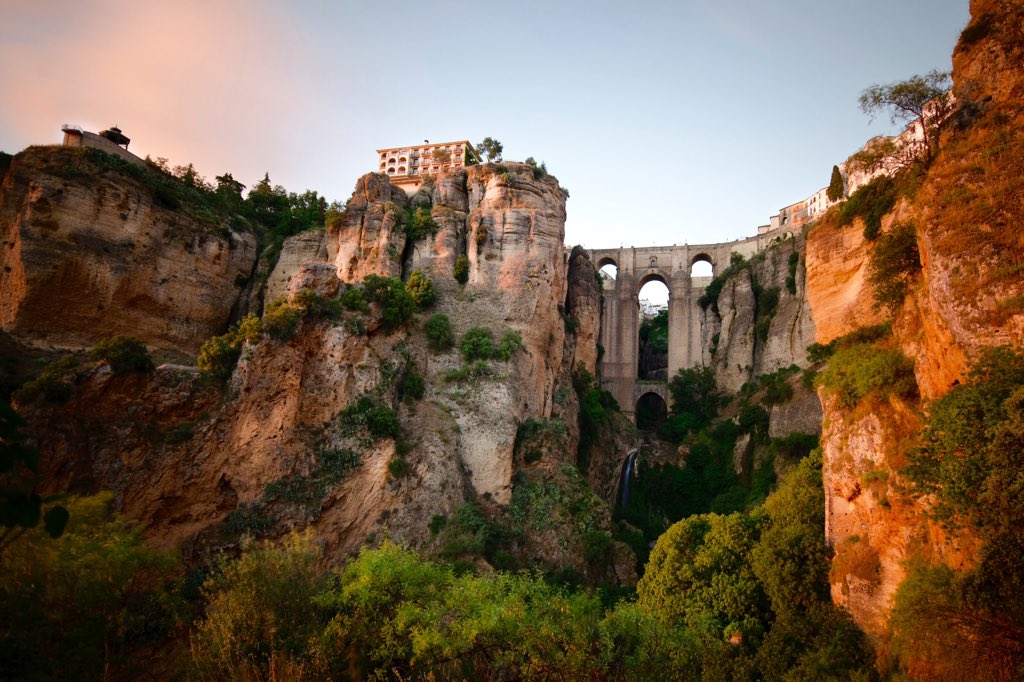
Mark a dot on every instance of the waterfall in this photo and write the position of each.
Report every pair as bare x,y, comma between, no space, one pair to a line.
625,479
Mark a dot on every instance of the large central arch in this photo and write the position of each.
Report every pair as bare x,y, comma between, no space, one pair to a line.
620,320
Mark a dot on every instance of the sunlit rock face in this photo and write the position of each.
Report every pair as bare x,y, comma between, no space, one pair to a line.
966,215
89,254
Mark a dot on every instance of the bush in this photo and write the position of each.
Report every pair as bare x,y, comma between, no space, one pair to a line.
382,422
396,303
258,608
53,382
72,608
421,289
352,299
315,306
478,344
439,333
894,262
419,224
219,354
124,354
281,320
411,386
460,270
870,203
857,371
470,372
399,468
511,341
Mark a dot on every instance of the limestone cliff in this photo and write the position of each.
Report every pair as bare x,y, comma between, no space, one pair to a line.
197,465
90,251
966,214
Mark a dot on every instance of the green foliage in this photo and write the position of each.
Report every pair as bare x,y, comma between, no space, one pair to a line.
124,354
460,269
54,382
836,186
861,370
699,576
314,306
490,148
411,385
710,296
924,97
396,303
71,608
21,508
258,608
382,422
419,224
695,401
893,264
218,355
352,299
281,320
421,289
794,262
399,468
817,352
973,443
478,344
870,203
246,519
654,332
469,372
439,333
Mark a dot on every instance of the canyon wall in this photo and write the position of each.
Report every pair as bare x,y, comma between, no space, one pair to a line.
89,252
966,211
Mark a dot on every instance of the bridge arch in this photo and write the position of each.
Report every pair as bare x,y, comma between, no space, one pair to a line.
651,408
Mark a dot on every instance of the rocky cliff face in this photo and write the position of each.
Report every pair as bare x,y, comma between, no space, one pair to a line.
966,215
197,465
89,253
762,322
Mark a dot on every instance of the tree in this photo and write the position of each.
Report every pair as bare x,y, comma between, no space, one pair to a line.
925,98
490,148
836,186
442,156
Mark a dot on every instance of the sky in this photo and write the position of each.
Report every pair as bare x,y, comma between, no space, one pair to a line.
690,121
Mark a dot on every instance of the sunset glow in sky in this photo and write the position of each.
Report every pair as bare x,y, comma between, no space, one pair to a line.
669,122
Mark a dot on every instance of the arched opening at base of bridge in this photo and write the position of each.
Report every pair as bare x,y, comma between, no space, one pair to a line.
651,412
652,344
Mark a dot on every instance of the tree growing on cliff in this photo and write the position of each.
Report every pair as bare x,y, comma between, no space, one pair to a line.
490,148
836,186
926,98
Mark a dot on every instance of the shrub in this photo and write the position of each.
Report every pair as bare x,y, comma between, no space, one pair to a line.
316,306
258,608
894,262
855,557
710,296
399,468
511,341
280,320
470,372
411,385
352,299
478,344
218,355
72,607
460,270
395,302
421,289
335,465
124,354
977,29
382,422
419,224
596,545
439,333
53,382
870,203
246,519
858,371
794,262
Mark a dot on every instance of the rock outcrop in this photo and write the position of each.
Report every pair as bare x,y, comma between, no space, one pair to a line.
89,252
966,215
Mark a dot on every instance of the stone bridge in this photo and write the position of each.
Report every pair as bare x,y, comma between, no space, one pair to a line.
620,317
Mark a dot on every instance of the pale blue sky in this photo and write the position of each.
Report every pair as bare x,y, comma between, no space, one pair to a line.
669,122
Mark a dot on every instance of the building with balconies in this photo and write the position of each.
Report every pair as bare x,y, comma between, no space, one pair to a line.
407,167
